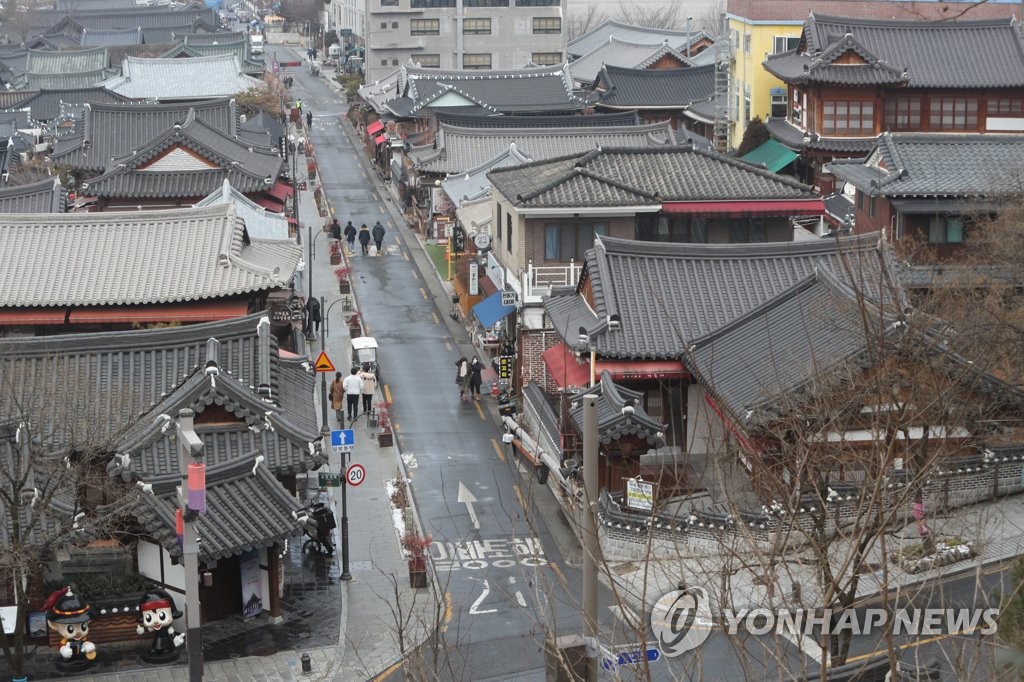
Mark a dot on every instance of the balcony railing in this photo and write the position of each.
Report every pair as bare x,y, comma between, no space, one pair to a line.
538,280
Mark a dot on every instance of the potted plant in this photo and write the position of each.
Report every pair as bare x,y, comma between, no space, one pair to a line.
335,252
355,328
416,547
342,273
385,438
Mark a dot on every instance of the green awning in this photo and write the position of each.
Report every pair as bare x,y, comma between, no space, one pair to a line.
771,154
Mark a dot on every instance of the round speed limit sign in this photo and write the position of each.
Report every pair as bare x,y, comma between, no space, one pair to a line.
355,474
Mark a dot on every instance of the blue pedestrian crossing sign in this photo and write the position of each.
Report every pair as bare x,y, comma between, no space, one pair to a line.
343,439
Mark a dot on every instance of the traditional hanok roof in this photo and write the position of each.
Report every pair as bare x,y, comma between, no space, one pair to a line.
622,88
76,6
937,165
48,104
612,423
188,160
236,44
603,33
116,130
181,79
137,258
114,36
259,222
263,127
794,138
474,183
634,177
532,90
458,150
45,196
247,509
652,299
603,120
144,17
475,215
46,70
987,53
624,53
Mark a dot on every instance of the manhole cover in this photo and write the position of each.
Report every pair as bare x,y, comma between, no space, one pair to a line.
360,566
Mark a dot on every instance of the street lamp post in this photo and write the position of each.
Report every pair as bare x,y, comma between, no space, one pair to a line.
192,502
345,575
590,541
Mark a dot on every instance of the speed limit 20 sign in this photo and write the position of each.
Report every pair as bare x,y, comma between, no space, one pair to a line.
355,474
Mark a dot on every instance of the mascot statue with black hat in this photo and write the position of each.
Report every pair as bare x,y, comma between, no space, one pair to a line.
68,615
156,613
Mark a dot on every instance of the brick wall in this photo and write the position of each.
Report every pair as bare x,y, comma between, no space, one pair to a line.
533,370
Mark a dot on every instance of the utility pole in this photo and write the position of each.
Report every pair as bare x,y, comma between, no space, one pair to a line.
190,451
591,548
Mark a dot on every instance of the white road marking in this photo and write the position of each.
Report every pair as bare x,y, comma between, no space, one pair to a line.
473,610
467,498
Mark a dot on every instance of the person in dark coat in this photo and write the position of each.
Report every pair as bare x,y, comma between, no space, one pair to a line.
462,376
350,236
378,235
313,314
474,377
364,238
309,119
335,229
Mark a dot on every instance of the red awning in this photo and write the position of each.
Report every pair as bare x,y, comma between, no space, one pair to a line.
292,221
568,370
173,312
739,209
269,204
380,139
374,128
280,190
17,316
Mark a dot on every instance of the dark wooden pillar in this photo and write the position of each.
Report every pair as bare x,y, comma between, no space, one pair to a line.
274,576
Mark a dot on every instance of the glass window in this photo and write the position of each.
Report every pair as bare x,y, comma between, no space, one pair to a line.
746,43
546,58
903,113
538,3
417,4
394,24
675,229
953,113
785,43
841,117
508,232
389,3
425,27
946,230
485,3
1006,106
476,27
476,60
565,241
429,61
779,102
872,205
547,25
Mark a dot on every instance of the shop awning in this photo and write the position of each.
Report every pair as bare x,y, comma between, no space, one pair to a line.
374,128
380,139
269,204
569,370
490,310
280,190
740,209
208,311
21,316
772,155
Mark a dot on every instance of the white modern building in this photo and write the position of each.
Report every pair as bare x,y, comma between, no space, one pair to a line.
462,34
350,14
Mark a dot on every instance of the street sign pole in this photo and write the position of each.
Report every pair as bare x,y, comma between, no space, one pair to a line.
345,575
323,375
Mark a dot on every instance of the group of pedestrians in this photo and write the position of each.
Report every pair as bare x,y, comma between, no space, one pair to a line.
346,392
468,377
363,234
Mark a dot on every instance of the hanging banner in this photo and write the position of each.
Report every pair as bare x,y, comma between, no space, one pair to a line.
252,587
474,278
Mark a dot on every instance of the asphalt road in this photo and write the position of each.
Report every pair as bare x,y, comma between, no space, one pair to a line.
503,552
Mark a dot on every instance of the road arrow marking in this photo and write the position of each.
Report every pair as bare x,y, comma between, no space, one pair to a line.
467,497
473,610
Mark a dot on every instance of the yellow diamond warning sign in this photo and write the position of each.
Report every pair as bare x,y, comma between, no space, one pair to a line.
323,363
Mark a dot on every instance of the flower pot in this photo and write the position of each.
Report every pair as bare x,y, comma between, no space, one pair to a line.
344,286
385,439
336,260
417,573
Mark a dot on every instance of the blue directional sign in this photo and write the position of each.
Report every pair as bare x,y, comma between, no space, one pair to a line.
632,657
343,437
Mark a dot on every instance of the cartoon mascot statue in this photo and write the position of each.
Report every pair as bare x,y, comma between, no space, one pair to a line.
156,613
68,615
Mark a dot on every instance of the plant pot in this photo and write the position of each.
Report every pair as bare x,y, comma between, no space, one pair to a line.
417,573
344,286
336,260
385,439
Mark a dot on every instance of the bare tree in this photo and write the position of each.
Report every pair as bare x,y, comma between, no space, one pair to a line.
268,97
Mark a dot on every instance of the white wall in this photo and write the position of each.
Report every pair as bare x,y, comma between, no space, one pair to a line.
705,431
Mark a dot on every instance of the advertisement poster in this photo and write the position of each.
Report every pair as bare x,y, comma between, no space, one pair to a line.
252,589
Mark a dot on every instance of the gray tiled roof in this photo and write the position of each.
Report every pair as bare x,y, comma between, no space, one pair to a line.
632,177
259,222
64,81
457,150
115,130
136,258
95,5
619,52
934,54
612,424
180,79
655,88
245,510
68,62
938,164
236,44
146,17
248,169
463,120
755,362
46,104
45,196
794,138
113,36
667,295
598,36
263,123
531,90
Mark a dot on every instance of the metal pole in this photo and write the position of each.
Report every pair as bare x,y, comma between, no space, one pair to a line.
345,575
591,547
189,446
688,36
323,377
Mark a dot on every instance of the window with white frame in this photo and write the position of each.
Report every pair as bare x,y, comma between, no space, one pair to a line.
779,103
785,43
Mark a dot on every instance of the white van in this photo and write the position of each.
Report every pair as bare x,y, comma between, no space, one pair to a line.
256,44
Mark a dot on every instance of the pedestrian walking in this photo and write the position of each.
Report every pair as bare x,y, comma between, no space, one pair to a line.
475,368
298,105
313,314
364,238
369,386
462,376
335,229
337,393
350,236
378,235
309,119
353,386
